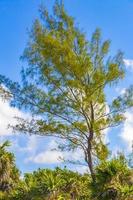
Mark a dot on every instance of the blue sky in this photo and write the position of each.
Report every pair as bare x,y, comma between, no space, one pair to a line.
114,17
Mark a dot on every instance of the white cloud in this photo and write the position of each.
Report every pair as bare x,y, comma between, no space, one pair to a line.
128,63
31,145
81,169
54,156
47,157
127,130
57,157
74,156
120,91
7,116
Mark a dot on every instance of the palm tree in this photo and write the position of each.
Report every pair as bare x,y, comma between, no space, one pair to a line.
9,174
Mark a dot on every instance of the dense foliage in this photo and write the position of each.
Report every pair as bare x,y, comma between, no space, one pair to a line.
56,184
114,180
9,174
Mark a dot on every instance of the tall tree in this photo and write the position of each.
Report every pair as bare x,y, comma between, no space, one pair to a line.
65,85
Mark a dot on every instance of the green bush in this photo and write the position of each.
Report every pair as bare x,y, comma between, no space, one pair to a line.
113,180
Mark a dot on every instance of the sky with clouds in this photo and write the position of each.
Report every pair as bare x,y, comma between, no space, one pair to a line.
16,17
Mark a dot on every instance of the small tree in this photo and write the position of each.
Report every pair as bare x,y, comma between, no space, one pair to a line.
9,174
65,85
113,180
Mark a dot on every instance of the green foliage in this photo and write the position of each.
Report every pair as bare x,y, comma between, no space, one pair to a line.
113,180
9,174
58,184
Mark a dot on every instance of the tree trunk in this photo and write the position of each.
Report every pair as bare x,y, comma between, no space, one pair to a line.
90,164
89,150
